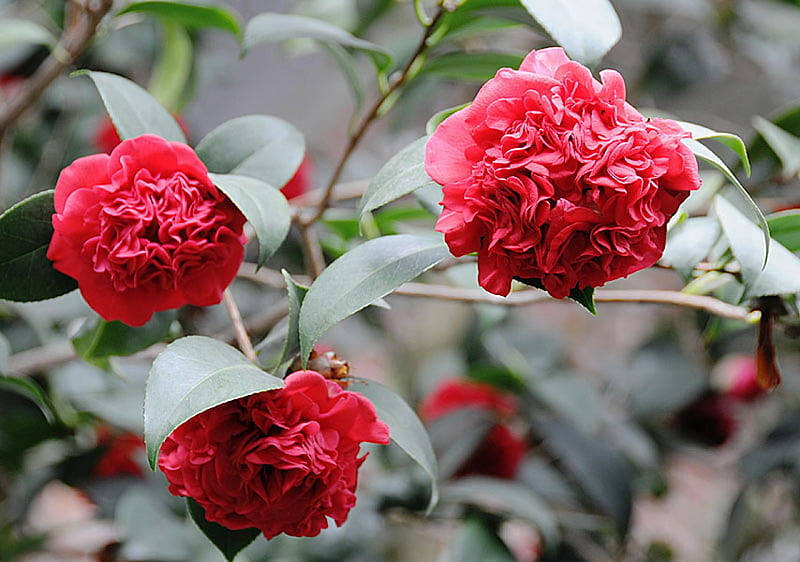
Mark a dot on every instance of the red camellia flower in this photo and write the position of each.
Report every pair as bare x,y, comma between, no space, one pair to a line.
281,461
144,229
119,455
301,181
501,451
106,137
553,179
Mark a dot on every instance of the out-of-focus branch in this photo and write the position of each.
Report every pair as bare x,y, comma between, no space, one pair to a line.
82,19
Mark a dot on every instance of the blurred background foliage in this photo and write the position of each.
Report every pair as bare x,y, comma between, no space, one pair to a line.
640,439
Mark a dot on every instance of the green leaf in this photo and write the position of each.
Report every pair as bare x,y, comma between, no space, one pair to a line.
436,120
785,229
705,154
271,27
190,376
33,392
429,197
347,64
15,32
405,428
474,67
133,111
25,232
507,497
689,242
475,542
286,335
264,206
602,472
173,68
97,340
785,145
192,16
584,297
228,541
260,146
780,275
734,142
587,29
362,276
404,173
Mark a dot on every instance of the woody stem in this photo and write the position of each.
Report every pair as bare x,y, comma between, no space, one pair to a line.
239,329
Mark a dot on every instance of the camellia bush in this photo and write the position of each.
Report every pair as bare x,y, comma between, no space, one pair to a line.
204,308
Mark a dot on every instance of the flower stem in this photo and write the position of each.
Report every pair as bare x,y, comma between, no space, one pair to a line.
239,329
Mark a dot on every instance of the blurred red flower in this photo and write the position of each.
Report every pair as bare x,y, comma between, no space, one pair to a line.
735,376
281,461
302,180
709,420
119,454
501,451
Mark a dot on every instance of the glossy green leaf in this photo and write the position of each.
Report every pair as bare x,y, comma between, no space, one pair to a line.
689,242
15,32
347,64
97,340
362,276
436,120
190,15
601,471
228,541
260,146
32,391
25,232
705,154
404,173
785,145
474,67
190,376
405,428
133,110
587,29
734,142
264,206
475,542
785,229
429,197
506,497
780,275
173,68
283,343
271,27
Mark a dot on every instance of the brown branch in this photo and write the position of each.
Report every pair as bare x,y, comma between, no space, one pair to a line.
312,249
526,297
238,326
81,21
371,115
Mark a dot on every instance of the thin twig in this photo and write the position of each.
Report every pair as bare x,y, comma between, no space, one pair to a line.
371,115
312,249
238,326
83,17
526,297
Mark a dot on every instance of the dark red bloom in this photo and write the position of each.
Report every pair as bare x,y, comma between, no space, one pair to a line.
119,454
106,137
282,461
302,180
144,230
552,177
709,420
501,451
